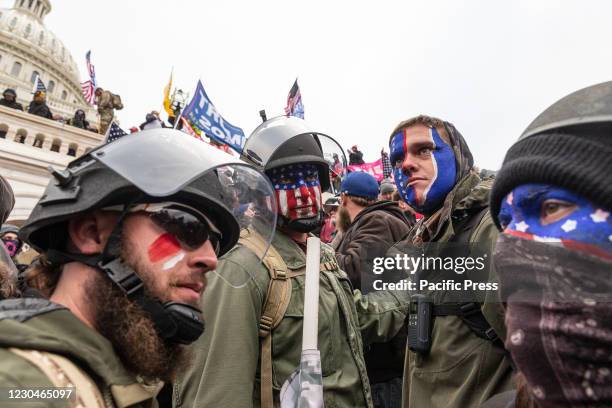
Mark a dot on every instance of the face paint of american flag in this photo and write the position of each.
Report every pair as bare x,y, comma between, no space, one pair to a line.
298,190
588,228
441,177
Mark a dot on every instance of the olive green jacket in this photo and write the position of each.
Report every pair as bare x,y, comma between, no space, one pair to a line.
225,370
461,370
38,324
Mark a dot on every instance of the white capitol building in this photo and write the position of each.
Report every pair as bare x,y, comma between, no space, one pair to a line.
28,143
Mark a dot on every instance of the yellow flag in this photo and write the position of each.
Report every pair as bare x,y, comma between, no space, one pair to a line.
167,103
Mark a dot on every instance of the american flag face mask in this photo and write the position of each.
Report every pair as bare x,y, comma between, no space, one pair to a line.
298,190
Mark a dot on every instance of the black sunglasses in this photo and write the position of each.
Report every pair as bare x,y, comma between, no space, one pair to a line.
190,229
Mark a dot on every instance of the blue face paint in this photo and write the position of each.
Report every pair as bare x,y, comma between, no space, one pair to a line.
427,198
588,228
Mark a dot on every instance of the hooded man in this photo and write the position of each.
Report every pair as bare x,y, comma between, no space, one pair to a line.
124,261
10,239
553,198
9,99
39,107
79,120
255,343
464,362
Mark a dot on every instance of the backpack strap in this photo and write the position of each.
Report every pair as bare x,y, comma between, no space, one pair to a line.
274,305
64,373
470,312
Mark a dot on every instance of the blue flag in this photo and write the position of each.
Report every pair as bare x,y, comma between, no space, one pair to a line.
204,116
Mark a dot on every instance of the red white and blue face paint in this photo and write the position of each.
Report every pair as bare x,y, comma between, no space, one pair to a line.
441,182
586,228
298,190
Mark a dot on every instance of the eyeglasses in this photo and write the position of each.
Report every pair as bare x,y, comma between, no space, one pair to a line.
188,225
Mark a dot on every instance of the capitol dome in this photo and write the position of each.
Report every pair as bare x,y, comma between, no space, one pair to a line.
29,144
28,48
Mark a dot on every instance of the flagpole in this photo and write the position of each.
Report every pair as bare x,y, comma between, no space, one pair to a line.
179,117
35,84
311,295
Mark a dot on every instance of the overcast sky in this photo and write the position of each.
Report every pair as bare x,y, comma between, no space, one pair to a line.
490,67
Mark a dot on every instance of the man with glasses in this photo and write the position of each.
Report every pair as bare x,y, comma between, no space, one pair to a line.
126,247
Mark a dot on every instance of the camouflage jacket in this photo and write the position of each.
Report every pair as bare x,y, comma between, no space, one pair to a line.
225,370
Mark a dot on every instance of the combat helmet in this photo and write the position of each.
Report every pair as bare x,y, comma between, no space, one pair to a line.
287,140
155,166
569,145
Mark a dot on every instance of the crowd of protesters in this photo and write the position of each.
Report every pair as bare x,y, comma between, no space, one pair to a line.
543,340
106,101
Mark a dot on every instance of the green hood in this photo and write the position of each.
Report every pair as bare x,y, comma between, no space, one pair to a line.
39,324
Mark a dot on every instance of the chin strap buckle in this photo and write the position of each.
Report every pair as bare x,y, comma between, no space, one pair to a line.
122,275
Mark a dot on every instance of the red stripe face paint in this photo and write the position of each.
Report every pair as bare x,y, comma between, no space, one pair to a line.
298,190
165,246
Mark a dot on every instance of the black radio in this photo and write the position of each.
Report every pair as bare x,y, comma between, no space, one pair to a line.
420,322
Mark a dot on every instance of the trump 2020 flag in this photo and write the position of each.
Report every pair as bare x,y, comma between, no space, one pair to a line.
203,115
294,102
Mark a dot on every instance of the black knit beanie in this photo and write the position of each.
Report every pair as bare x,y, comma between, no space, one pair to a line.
577,158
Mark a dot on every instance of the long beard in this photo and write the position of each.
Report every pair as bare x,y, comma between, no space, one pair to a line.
131,330
343,219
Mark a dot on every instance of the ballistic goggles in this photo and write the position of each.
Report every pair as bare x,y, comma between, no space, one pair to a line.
188,225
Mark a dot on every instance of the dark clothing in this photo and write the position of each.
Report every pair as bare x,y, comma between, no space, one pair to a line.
79,123
356,157
11,104
388,394
40,109
373,231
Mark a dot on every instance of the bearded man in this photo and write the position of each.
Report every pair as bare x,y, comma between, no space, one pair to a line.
125,255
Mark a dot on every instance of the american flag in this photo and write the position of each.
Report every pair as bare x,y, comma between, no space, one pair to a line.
89,87
39,86
294,102
297,189
114,132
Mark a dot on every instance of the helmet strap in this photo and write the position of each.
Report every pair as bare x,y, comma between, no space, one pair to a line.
304,225
174,322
